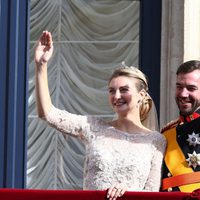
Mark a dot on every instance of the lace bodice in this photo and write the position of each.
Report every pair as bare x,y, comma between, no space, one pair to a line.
113,156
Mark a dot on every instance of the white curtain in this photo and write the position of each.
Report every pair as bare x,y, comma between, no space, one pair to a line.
91,38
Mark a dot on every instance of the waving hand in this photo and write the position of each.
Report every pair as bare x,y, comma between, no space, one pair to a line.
44,48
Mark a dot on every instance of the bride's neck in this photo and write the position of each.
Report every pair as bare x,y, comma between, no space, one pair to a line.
128,125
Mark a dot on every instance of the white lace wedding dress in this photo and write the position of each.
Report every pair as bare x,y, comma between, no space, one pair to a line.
113,156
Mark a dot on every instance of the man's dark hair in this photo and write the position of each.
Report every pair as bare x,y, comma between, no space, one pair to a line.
188,67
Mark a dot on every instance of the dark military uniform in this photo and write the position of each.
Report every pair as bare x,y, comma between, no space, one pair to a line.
181,169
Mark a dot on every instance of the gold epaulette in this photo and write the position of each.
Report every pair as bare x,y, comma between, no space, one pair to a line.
170,125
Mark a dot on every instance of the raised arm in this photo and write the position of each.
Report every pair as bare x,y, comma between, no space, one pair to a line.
43,53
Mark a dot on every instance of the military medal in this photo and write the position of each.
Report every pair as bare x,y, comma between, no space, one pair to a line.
193,139
194,159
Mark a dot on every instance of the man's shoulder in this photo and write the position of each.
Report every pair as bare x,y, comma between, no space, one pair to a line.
170,125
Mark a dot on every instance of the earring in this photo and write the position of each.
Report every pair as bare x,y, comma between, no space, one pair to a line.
138,104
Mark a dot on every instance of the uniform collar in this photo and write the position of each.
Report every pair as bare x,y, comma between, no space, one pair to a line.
189,118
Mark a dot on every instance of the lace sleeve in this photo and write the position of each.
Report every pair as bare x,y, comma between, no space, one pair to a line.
154,180
68,123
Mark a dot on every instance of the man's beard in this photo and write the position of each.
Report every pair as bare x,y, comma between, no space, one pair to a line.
195,105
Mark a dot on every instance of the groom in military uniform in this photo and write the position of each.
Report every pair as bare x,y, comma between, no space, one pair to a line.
181,170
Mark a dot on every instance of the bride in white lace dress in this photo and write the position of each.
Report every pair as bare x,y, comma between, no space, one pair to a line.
122,154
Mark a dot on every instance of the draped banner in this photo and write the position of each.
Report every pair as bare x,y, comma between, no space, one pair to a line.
20,194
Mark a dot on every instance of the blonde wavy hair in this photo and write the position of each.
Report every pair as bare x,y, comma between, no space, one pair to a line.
142,83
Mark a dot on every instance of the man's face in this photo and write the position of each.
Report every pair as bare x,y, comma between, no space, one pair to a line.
187,93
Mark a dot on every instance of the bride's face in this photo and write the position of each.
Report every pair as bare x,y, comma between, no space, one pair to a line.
123,94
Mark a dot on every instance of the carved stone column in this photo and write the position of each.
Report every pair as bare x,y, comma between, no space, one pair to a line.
172,52
192,30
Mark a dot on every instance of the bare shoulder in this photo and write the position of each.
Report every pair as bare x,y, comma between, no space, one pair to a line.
170,125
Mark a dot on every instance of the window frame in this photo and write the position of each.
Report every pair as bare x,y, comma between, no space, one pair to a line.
14,56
